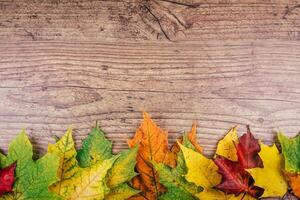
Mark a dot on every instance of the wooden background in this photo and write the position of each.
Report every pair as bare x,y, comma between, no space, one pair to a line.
216,62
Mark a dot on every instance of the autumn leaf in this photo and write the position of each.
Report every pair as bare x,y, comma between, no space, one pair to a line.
76,182
190,139
153,146
291,152
178,187
226,147
97,148
175,158
32,177
273,161
7,178
247,151
121,192
235,180
171,175
204,172
294,181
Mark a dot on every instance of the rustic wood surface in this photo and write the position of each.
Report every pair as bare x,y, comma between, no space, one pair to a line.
219,63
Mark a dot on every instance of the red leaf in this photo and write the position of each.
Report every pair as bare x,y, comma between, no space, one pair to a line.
247,151
7,178
235,180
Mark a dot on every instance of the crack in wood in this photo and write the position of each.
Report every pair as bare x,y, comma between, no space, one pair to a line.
195,5
159,23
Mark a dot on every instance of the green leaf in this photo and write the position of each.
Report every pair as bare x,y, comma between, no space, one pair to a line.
178,187
32,177
123,191
291,152
95,148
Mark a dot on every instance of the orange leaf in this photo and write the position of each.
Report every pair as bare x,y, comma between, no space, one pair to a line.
153,146
192,135
294,181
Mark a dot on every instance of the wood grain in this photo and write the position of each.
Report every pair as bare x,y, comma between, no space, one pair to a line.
219,63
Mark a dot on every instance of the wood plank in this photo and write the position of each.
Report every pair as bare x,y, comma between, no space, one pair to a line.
220,63
45,86
153,20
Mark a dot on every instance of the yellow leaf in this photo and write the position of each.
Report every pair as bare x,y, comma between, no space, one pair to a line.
270,177
226,147
204,172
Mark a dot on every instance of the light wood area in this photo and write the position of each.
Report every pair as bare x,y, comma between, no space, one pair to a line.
219,63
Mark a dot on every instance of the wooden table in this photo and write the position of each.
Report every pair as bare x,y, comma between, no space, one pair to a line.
219,63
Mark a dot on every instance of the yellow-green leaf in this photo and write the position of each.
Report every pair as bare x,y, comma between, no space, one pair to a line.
75,182
68,166
123,191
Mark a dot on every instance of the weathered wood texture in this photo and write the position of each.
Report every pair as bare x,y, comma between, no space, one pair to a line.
219,63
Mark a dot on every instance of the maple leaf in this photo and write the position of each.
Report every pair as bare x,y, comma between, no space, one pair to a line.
32,177
76,182
171,176
175,158
235,180
273,161
291,152
294,181
153,146
96,148
7,178
204,172
121,192
226,147
178,187
247,151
